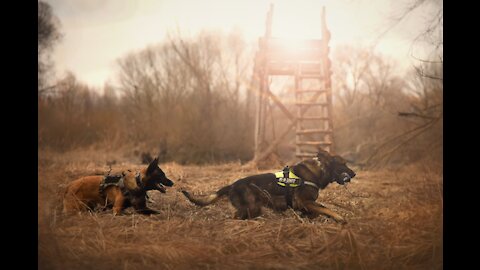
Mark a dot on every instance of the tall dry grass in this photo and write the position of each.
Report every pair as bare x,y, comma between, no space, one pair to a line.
394,222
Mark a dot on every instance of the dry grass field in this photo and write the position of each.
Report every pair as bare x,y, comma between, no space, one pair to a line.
394,222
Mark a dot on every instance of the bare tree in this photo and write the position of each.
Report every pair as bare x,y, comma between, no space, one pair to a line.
424,137
350,67
48,35
362,74
413,103
427,103
191,87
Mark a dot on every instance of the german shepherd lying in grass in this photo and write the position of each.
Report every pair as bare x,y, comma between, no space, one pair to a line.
249,194
117,191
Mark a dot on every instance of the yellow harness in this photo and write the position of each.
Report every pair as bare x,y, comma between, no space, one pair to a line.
287,179
291,181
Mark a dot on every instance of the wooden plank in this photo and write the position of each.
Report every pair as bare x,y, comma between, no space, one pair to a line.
300,154
285,69
275,43
290,68
259,118
313,118
311,65
281,71
294,55
310,131
300,103
312,143
311,76
290,72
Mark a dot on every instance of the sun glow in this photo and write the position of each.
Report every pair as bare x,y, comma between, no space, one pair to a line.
297,20
96,35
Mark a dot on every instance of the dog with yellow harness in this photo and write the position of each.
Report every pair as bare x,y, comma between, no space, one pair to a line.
294,187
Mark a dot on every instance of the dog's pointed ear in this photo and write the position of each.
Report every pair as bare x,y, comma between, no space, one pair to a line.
339,159
324,157
303,171
322,153
152,166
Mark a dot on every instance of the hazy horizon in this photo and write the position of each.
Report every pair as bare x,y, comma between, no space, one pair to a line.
98,33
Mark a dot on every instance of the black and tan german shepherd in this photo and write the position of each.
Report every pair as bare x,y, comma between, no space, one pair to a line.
249,194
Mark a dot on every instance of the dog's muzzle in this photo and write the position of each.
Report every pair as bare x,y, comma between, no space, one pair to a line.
343,178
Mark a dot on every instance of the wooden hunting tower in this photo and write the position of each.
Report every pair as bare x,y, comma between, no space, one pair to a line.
309,113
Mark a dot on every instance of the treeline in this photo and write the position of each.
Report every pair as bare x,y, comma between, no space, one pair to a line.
189,100
185,99
382,117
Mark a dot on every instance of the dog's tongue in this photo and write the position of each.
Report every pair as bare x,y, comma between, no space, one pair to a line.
161,188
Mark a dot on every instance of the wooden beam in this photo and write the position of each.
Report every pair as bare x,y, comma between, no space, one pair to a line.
313,118
300,154
268,29
311,103
274,144
316,130
283,43
289,68
279,104
326,35
290,55
313,143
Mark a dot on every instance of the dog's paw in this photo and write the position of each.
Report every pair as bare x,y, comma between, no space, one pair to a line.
150,200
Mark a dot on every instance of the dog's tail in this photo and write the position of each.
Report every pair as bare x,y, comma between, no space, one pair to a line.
206,200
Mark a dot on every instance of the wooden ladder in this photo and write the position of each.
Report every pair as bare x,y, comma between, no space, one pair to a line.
315,130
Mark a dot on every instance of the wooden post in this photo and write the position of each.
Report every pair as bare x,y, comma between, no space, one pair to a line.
260,120
327,75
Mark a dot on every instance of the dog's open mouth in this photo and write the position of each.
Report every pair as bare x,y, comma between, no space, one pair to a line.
160,188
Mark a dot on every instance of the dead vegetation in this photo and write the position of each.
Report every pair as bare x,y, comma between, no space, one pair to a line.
395,222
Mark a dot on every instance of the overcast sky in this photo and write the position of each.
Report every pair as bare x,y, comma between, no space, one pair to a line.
97,32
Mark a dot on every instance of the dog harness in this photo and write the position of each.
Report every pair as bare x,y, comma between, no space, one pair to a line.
118,180
287,179
111,180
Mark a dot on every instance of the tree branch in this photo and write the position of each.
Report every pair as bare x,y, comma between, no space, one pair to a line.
389,154
384,144
407,114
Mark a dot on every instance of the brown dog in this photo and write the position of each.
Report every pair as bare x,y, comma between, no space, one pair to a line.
296,187
118,191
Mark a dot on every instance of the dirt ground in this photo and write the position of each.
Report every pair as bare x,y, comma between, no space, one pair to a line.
394,222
